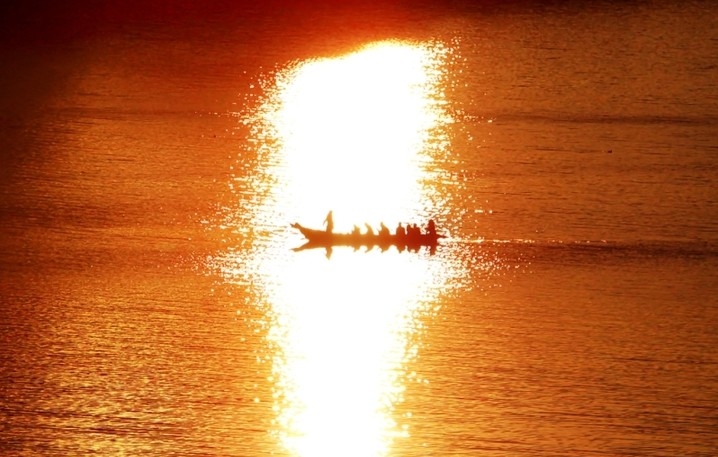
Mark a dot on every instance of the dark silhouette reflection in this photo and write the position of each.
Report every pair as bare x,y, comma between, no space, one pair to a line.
411,239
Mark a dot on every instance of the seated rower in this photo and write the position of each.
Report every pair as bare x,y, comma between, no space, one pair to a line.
400,232
413,233
431,228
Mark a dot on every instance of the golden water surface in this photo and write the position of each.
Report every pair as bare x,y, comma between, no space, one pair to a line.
151,163
355,134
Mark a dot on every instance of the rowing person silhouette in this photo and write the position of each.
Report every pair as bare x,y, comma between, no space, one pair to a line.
329,222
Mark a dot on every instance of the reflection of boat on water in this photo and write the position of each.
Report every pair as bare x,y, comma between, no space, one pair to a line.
323,239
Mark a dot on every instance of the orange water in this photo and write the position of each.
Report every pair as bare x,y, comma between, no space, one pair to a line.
151,302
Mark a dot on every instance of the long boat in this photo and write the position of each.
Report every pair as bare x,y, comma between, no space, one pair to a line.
321,238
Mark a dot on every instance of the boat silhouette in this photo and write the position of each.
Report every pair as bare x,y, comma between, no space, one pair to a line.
317,238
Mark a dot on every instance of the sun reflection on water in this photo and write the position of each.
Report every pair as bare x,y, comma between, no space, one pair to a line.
342,338
355,134
354,131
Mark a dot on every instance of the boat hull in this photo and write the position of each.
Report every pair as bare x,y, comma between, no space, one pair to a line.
322,238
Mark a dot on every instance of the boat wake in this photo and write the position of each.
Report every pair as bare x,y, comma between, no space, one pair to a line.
598,249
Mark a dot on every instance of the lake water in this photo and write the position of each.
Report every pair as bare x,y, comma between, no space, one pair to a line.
153,157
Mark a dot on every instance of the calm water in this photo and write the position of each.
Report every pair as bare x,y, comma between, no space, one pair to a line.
153,158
